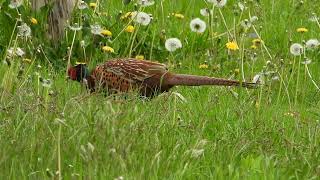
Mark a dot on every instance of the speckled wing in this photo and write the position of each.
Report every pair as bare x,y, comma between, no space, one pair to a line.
134,70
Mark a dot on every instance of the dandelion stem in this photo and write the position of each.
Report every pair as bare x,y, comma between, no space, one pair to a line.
242,57
70,52
309,74
286,89
59,152
297,83
317,21
263,44
225,23
152,44
133,37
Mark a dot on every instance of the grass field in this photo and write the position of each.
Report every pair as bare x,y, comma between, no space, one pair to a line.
54,128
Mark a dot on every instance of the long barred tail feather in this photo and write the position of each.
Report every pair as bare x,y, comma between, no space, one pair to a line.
193,80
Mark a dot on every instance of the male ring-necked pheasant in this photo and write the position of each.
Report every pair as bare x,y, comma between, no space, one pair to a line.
147,77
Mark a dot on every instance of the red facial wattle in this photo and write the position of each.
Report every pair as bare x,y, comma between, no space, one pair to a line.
72,73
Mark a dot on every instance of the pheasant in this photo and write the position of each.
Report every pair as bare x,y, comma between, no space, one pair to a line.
147,77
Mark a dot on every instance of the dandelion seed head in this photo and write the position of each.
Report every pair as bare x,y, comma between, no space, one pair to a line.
142,18
198,25
11,52
205,12
96,29
312,43
47,83
241,6
218,3
15,4
258,79
246,24
253,19
306,61
24,30
172,44
195,153
75,27
296,49
82,43
145,3
82,5
314,18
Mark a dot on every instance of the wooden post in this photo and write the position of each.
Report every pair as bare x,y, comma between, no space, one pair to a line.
57,17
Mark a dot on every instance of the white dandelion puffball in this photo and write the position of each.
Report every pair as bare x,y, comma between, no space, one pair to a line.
246,24
75,27
96,29
82,5
11,52
145,3
15,4
253,19
205,12
173,44
141,18
296,49
24,30
258,79
306,61
197,25
20,52
218,3
241,6
312,43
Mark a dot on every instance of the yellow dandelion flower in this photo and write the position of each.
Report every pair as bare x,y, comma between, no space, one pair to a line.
203,66
129,29
253,47
257,105
26,60
214,34
80,62
126,16
179,16
106,32
257,41
216,67
140,57
104,14
232,46
93,5
34,21
302,30
108,49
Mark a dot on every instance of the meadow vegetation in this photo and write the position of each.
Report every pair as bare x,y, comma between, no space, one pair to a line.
51,127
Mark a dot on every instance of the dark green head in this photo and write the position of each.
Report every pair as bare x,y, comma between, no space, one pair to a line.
78,72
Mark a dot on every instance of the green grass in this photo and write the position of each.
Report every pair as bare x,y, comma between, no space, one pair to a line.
271,132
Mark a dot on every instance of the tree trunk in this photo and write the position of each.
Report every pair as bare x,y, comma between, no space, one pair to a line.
57,17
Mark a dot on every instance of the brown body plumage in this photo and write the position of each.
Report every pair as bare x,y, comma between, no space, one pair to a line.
149,78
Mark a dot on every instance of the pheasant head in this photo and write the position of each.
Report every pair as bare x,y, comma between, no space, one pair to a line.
78,72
